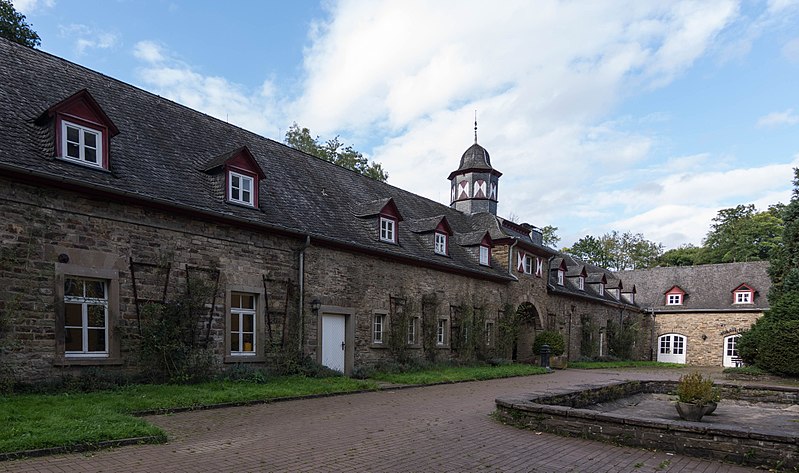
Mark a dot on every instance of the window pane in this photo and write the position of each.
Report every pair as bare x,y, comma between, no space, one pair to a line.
246,184
234,322
248,302
248,342
235,300
73,134
73,340
90,139
247,323
73,151
90,155
96,315
72,315
245,196
234,194
234,342
96,340
73,287
234,181
95,289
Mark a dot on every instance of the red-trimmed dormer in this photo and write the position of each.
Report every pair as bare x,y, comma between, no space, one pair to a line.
242,176
441,236
743,294
675,296
83,131
388,218
485,250
558,266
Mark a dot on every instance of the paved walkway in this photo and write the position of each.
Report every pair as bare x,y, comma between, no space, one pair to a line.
438,428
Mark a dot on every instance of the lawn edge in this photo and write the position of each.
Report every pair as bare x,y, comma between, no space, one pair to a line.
82,447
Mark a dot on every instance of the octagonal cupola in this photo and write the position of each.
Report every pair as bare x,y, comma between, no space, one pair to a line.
474,186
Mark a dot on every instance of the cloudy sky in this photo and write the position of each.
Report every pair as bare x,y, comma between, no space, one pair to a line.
647,116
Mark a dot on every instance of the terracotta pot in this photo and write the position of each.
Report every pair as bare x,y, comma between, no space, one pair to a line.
690,412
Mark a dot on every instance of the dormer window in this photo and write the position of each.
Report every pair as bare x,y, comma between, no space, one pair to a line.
674,299
388,230
561,275
581,283
601,289
440,243
485,255
82,144
743,294
240,189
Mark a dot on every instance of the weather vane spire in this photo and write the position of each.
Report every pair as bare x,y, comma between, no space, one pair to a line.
475,126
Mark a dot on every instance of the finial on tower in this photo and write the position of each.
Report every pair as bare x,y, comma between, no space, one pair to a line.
475,126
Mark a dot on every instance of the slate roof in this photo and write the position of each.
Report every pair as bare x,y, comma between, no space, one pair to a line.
591,291
707,287
163,147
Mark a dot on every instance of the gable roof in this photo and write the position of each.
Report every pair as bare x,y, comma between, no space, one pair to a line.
708,287
163,147
576,267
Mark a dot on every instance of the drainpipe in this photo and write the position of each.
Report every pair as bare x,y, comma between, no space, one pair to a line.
301,279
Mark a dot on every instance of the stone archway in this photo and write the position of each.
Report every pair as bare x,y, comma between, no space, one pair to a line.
529,322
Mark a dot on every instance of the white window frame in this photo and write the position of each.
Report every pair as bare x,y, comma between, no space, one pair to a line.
489,334
413,331
84,303
561,276
581,283
241,313
441,333
440,241
527,264
378,328
388,230
601,289
674,299
242,179
485,255
82,131
743,297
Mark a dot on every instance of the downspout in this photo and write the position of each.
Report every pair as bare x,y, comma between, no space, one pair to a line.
301,280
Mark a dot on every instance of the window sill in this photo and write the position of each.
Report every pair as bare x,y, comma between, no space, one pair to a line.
86,361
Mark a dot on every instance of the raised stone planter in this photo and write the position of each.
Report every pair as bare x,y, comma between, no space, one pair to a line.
574,413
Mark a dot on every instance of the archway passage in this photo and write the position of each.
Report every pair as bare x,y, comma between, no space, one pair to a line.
529,323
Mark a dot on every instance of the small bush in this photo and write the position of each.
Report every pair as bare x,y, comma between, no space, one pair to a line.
245,373
696,389
552,338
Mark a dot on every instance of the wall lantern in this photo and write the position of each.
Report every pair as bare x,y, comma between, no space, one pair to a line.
316,304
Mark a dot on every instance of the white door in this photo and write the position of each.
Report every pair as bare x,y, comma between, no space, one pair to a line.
333,341
731,357
671,348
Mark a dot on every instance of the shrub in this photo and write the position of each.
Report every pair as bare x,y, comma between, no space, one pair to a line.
696,389
552,338
245,373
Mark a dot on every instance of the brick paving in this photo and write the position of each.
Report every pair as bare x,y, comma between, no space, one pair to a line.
444,428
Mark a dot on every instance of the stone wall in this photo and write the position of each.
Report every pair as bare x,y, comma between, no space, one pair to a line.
704,332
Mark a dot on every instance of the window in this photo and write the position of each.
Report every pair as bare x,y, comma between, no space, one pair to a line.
378,328
242,324
485,255
560,277
527,262
81,144
674,299
441,332
413,331
489,334
539,267
581,283
601,289
388,230
85,317
240,189
441,243
743,297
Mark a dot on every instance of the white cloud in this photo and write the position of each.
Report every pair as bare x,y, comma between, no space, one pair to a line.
257,110
26,7
788,117
86,37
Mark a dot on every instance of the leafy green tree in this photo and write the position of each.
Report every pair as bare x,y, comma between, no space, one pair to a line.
333,151
14,27
617,251
742,233
551,238
683,255
771,343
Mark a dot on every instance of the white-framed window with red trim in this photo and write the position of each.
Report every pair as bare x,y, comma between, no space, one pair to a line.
561,276
241,188
388,230
441,243
81,144
674,299
581,283
485,255
743,297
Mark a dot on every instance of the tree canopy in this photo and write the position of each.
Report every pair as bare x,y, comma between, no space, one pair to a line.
550,237
617,251
334,151
14,27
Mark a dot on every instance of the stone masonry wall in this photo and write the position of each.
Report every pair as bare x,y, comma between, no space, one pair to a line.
713,326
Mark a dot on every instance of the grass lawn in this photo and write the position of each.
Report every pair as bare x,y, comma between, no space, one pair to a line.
591,365
449,373
40,421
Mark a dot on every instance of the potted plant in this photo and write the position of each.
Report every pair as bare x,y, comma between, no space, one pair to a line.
557,345
696,396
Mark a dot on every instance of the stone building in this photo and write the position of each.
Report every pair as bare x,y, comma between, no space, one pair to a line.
701,311
115,202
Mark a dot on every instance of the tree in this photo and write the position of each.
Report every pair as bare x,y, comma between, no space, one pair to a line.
550,238
683,255
14,27
742,233
333,151
617,251
770,343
